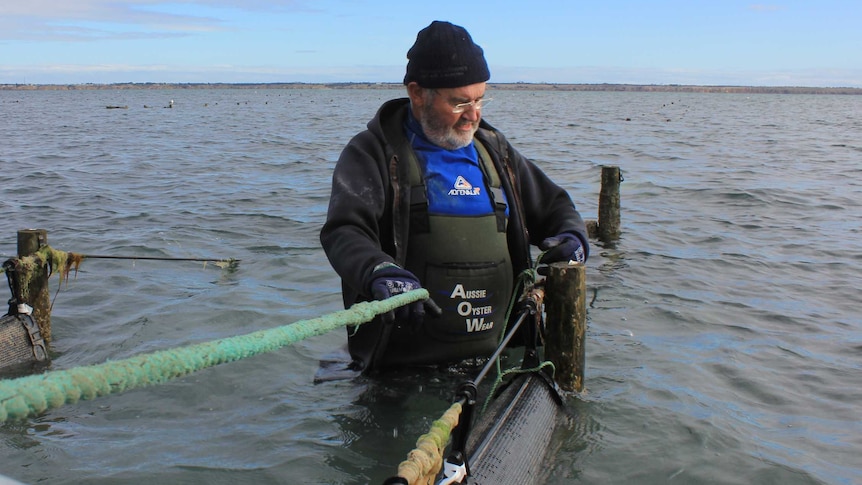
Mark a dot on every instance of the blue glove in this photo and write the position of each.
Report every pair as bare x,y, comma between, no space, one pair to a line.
562,247
389,280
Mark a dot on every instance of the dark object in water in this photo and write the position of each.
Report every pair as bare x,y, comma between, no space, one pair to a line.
335,366
20,341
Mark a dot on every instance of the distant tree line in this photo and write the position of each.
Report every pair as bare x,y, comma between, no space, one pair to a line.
676,88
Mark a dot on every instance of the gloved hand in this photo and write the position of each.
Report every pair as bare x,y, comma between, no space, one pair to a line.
389,280
562,247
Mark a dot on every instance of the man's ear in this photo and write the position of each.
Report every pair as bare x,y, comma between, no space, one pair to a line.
415,92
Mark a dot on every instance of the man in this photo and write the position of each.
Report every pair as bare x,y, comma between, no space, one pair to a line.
432,196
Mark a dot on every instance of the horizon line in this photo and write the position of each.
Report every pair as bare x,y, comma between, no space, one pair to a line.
504,85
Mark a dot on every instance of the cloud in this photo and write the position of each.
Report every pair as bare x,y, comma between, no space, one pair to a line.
765,8
88,20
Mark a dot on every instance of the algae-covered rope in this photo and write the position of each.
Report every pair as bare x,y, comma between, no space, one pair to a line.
31,395
425,461
63,262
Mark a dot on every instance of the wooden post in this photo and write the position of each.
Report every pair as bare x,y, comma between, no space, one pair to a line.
36,289
566,323
609,204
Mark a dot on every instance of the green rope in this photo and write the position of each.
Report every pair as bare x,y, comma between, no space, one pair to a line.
503,375
526,278
31,395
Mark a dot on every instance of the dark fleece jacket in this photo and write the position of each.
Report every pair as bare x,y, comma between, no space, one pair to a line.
368,217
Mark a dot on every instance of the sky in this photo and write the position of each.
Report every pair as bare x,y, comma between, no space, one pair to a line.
815,43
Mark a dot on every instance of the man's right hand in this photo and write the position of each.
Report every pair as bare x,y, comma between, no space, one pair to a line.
389,280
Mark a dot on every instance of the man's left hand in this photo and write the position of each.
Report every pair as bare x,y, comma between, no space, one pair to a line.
562,247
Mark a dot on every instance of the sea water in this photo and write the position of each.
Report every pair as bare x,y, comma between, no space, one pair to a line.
724,338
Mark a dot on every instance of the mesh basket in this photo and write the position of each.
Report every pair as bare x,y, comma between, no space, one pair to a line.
511,439
20,341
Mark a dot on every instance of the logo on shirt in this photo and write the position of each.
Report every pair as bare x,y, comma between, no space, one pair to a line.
462,187
473,315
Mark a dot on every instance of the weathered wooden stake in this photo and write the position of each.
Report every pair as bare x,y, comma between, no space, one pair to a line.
36,290
566,323
609,204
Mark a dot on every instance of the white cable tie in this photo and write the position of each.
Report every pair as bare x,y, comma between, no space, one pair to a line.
454,473
25,309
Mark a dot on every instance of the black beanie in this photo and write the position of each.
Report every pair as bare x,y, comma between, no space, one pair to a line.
444,56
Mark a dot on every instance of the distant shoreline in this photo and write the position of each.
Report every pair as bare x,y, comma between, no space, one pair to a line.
676,88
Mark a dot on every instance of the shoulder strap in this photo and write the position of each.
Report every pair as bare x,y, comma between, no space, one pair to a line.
419,221
495,190
487,163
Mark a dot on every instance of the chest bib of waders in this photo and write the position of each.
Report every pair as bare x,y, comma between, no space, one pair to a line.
464,263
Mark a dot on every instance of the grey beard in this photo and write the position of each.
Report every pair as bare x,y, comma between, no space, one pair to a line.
443,136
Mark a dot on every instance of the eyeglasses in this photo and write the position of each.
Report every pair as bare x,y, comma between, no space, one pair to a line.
477,105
